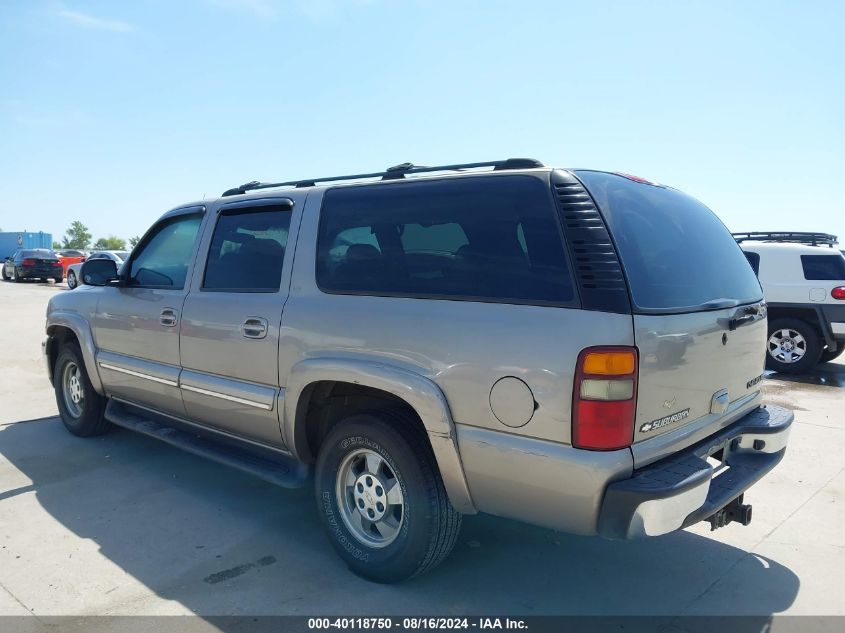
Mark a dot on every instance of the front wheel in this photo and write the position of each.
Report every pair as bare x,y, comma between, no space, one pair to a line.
381,498
80,407
793,346
71,279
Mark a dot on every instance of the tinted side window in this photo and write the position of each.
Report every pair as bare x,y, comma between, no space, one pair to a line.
247,250
823,267
486,239
754,260
163,259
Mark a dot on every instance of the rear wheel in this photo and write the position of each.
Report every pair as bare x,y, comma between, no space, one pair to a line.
58,280
71,279
381,498
828,355
15,276
80,407
793,346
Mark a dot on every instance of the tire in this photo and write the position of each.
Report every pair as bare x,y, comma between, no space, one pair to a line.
5,276
58,280
15,277
71,280
828,355
80,407
787,339
417,530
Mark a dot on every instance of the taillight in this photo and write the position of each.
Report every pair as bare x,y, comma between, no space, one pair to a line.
604,399
838,293
57,264
27,262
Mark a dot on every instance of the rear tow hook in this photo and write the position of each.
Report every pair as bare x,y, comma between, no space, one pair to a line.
734,511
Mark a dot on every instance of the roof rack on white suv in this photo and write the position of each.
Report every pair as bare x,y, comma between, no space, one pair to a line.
813,239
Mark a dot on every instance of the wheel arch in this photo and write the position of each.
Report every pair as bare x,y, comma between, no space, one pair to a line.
64,327
812,315
394,385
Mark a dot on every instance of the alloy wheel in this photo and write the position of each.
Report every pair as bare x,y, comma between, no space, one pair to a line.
369,497
787,346
72,389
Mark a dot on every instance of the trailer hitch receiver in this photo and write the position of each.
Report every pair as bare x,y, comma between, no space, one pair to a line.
734,511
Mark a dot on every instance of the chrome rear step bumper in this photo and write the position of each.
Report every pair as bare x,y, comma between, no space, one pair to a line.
684,488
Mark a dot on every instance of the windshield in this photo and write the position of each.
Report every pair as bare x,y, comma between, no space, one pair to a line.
677,255
122,255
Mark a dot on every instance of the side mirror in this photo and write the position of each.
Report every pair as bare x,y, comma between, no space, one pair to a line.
98,272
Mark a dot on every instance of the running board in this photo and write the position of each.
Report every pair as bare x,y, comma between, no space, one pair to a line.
281,471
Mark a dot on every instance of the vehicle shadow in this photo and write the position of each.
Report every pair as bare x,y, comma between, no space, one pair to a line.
220,542
826,374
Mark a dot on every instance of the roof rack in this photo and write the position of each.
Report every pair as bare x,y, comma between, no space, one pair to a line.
391,173
815,239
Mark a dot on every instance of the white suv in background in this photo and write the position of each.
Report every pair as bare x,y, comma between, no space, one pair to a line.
803,280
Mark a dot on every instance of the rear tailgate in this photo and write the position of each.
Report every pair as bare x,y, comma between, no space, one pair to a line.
696,376
699,317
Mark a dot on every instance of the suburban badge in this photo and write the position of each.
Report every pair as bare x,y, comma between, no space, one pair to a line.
664,421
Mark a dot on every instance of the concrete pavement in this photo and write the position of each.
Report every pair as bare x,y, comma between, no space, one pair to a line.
123,525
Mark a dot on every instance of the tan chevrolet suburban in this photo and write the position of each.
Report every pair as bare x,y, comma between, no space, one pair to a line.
574,349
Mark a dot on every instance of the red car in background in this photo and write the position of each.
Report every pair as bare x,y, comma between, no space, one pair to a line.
68,257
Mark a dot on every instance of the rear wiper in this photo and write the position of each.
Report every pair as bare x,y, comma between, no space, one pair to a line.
716,304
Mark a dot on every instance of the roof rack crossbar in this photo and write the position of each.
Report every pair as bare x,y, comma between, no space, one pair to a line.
395,172
798,237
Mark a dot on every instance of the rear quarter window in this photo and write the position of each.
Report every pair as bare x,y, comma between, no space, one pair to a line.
494,239
823,267
677,255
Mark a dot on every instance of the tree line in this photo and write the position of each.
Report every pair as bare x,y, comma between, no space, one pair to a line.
78,237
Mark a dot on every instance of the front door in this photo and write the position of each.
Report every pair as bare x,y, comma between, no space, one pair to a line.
136,326
231,319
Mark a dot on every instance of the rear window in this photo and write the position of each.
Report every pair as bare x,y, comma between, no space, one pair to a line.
39,253
484,239
823,267
677,255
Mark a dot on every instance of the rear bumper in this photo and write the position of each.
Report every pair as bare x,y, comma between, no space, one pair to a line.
39,273
684,488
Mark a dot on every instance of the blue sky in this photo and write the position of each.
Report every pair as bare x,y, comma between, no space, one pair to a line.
113,112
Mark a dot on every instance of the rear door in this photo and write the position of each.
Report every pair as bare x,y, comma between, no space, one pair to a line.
230,327
698,311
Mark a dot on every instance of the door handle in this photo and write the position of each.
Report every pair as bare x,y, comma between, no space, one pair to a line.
254,327
169,317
